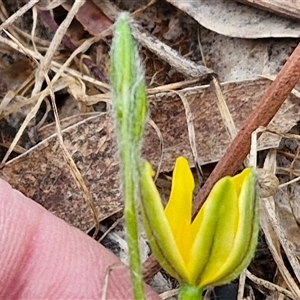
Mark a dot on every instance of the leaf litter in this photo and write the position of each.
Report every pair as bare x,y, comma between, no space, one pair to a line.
42,173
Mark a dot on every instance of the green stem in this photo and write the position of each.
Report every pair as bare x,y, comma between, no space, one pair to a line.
188,292
130,110
130,182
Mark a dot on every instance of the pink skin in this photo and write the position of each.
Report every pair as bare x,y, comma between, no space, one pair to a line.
42,257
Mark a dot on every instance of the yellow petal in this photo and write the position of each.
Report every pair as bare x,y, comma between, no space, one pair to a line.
236,231
248,227
179,208
209,228
157,227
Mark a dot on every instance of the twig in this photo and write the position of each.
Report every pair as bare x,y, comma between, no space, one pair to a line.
171,56
270,103
163,51
240,146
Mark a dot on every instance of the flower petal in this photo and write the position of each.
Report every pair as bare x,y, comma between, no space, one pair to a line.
236,229
157,227
179,208
248,228
209,228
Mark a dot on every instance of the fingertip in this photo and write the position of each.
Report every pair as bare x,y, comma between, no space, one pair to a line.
44,257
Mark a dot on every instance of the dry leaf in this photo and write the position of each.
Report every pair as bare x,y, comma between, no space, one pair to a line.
41,173
288,8
231,58
238,20
168,113
90,17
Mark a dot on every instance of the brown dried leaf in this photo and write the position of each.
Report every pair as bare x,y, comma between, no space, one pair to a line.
288,8
42,174
238,20
168,113
90,16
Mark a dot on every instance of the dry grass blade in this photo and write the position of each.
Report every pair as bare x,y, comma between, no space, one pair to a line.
270,286
166,53
50,4
267,187
242,282
31,114
223,108
169,294
41,74
6,109
50,182
45,62
161,142
172,86
192,136
220,99
273,230
266,109
87,151
73,168
172,57
55,66
18,14
271,237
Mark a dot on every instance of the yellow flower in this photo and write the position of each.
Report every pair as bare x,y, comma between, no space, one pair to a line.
218,244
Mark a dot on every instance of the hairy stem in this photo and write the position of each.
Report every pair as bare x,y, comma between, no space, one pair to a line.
130,110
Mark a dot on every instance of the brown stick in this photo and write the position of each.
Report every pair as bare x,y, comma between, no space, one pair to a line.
265,110
240,146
